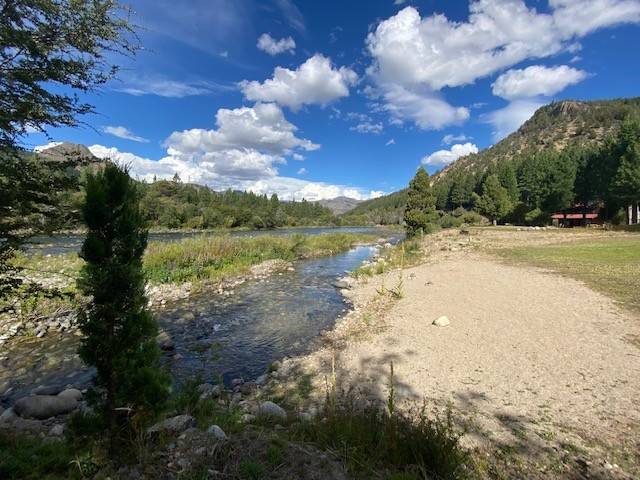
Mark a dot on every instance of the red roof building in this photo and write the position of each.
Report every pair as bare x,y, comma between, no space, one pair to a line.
577,216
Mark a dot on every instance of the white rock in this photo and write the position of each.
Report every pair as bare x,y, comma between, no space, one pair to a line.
217,432
174,424
442,321
270,409
56,430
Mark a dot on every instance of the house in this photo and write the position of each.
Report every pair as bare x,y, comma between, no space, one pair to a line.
577,216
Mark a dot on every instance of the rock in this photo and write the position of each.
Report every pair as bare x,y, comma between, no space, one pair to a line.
305,417
71,393
342,283
209,391
248,388
8,415
262,380
173,425
57,430
165,342
270,409
247,418
48,390
188,316
442,321
44,406
217,432
236,381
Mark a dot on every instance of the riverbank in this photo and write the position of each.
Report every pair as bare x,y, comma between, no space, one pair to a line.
540,371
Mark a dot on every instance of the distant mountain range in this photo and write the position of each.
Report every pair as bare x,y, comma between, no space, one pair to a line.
340,205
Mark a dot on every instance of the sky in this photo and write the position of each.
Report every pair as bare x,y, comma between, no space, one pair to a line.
318,99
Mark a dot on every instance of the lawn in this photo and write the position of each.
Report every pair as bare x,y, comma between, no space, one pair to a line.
610,266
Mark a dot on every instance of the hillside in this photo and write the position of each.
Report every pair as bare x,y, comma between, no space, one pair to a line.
340,205
557,126
380,211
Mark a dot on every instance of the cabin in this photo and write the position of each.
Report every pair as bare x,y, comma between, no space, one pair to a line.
577,216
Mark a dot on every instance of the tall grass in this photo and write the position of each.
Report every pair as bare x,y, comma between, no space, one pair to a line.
215,257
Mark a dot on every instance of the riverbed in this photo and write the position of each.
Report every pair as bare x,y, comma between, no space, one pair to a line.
215,336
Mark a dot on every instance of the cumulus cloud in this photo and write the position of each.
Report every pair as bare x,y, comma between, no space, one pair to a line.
123,132
450,138
316,81
536,80
367,127
442,158
508,119
270,45
209,173
425,55
262,127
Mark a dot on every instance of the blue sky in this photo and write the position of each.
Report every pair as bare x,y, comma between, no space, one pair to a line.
320,99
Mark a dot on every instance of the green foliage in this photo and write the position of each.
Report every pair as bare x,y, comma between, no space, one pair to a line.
176,205
51,44
27,458
252,470
215,257
119,333
626,183
495,201
420,213
373,439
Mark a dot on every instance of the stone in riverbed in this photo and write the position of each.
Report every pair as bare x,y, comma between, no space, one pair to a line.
71,393
48,390
248,388
209,391
217,432
44,406
165,342
270,409
174,425
262,380
442,321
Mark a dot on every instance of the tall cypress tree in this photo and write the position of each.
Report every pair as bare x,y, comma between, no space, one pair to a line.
119,332
420,213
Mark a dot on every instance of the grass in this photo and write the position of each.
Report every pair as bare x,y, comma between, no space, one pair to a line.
610,266
406,254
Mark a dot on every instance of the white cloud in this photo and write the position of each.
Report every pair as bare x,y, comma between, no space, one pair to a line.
421,56
508,119
268,44
368,127
164,87
399,2
292,14
450,138
442,158
302,171
316,81
425,108
209,173
262,127
536,80
298,157
123,132
390,142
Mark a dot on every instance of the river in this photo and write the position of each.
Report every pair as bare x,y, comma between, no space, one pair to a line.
215,336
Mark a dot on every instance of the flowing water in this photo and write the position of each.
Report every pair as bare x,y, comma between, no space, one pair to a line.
235,336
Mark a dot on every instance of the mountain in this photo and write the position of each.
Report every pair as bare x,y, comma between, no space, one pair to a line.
382,210
340,205
557,126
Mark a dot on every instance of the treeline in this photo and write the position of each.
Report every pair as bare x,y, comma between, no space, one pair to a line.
529,188
387,210
172,204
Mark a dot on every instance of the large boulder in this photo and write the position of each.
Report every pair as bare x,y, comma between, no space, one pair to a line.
165,342
71,393
44,406
270,409
173,425
217,432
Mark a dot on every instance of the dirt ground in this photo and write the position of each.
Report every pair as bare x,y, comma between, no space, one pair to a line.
536,366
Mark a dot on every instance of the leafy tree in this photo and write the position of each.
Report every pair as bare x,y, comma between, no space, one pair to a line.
420,214
494,201
626,183
119,332
50,50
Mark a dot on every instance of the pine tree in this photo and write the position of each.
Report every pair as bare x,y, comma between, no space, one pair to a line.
420,213
119,332
626,183
494,201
